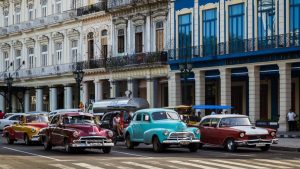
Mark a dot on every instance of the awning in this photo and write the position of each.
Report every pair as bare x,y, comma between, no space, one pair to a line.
213,107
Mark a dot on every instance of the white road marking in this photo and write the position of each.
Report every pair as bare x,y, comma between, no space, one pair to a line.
61,166
137,155
215,164
88,166
141,165
276,162
5,166
167,165
192,165
239,164
265,164
55,159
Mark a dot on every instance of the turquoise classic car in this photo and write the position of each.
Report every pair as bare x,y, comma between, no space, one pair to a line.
161,128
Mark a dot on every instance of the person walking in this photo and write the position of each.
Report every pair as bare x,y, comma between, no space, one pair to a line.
291,118
1,114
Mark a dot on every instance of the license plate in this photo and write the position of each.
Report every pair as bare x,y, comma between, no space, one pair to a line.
184,142
260,144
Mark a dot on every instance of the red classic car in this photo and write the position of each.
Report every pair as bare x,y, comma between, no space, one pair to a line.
232,131
76,131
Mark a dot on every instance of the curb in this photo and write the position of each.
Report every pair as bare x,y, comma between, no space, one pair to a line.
285,148
288,136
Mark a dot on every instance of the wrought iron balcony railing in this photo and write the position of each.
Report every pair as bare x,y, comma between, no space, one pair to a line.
135,60
86,10
236,46
120,4
90,64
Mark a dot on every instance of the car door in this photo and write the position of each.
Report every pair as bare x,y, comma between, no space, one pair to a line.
136,126
18,128
144,126
54,130
204,127
105,121
214,132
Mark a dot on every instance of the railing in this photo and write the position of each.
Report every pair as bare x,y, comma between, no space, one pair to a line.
90,64
236,46
143,59
116,4
86,10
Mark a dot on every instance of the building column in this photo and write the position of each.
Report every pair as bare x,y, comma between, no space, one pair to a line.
148,40
225,75
132,86
98,90
254,93
113,88
53,98
39,99
14,102
27,101
285,85
151,91
85,97
200,89
174,87
2,102
68,102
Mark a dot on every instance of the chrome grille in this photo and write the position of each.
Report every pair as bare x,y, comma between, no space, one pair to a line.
181,135
257,137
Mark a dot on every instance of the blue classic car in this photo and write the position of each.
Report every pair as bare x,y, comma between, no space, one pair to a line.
162,128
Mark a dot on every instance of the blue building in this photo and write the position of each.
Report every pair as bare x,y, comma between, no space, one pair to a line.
243,53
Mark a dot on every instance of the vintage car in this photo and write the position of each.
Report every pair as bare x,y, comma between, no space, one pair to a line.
161,128
26,128
232,131
76,131
9,119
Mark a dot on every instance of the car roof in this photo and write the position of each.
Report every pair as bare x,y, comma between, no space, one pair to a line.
152,110
75,113
219,116
66,110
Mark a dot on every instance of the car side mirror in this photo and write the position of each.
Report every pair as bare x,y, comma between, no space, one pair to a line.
147,118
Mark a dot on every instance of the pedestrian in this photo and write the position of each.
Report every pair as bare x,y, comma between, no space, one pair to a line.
1,114
116,124
213,113
291,118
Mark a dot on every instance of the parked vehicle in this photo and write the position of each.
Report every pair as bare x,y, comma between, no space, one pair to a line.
161,128
53,113
26,129
8,114
9,120
76,131
232,131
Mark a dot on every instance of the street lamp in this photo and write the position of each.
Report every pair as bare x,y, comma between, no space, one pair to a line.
185,69
9,80
78,76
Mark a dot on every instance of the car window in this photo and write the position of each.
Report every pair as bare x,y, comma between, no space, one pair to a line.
163,115
235,121
144,115
15,117
106,117
78,120
214,122
126,116
139,117
205,123
55,120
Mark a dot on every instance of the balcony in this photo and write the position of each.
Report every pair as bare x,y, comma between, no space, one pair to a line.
90,9
137,60
38,22
121,4
247,48
90,64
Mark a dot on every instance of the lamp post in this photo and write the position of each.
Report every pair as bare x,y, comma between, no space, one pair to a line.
9,80
78,76
185,69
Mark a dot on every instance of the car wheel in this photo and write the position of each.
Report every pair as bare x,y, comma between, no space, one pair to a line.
8,140
136,144
106,150
200,145
128,142
68,149
157,146
265,148
27,140
47,144
230,145
193,147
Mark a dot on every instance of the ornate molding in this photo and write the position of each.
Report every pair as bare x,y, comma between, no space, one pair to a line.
120,22
138,19
57,36
29,42
5,46
43,39
159,16
44,2
71,33
17,44
5,4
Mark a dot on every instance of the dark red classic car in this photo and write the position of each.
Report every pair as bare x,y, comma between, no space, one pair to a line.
76,131
232,131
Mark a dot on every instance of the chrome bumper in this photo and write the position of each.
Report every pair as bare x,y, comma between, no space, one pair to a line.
94,144
256,142
35,138
181,142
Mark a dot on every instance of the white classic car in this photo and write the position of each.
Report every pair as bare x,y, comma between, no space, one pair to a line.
10,120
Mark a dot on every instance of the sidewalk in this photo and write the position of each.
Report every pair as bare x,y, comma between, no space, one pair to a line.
287,144
290,134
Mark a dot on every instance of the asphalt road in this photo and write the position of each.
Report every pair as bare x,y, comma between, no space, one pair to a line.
20,156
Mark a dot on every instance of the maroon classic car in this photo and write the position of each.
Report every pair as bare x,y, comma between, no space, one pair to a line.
232,131
76,131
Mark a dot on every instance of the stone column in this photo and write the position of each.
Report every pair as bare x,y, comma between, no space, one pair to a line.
98,90
254,93
285,85
68,104
132,86
174,87
196,25
200,89
85,98
53,98
2,102
147,42
151,91
39,99
225,75
14,102
113,88
27,101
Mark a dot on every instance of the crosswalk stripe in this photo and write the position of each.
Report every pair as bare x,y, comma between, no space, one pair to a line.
276,162
239,164
191,164
265,164
293,161
167,165
88,166
141,165
61,166
5,166
215,164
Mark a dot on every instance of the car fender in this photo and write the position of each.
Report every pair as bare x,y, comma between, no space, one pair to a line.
193,130
149,134
9,131
128,130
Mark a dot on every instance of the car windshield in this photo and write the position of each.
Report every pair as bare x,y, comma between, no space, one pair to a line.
78,120
162,115
235,121
37,119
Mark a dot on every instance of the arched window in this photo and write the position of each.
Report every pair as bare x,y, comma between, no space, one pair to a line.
104,32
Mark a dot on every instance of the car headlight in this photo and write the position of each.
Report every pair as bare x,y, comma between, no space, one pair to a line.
110,133
273,134
166,132
33,130
242,135
197,131
75,134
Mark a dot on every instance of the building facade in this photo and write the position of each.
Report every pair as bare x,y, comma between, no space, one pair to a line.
243,53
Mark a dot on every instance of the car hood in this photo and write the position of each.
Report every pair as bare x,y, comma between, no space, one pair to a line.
171,124
37,125
86,130
251,130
